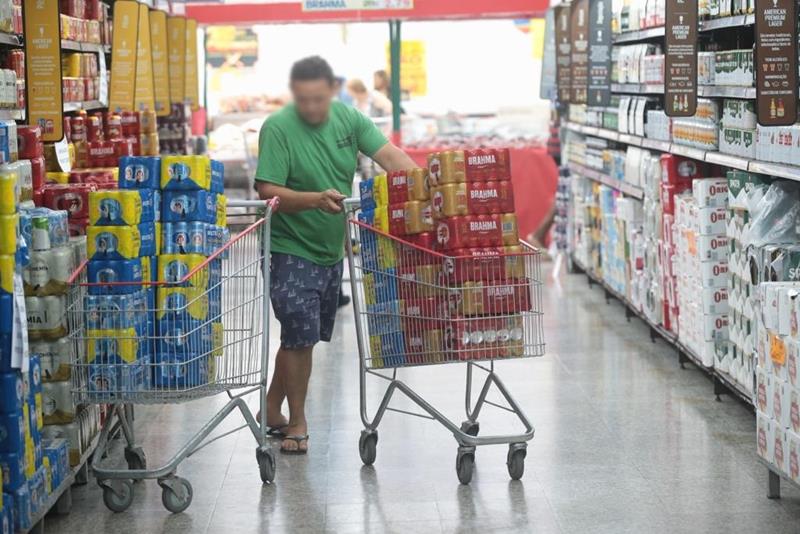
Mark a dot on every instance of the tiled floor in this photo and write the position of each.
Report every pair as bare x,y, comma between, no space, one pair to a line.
625,441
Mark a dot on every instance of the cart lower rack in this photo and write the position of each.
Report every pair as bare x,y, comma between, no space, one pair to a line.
416,307
195,327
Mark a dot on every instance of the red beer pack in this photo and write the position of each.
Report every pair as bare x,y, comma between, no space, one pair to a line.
676,169
416,280
397,183
456,166
397,219
73,198
473,198
477,231
477,298
485,264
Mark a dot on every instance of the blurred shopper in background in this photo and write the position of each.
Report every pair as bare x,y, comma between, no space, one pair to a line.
381,83
307,157
374,105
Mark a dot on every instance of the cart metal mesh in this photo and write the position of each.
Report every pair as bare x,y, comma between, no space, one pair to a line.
422,307
196,334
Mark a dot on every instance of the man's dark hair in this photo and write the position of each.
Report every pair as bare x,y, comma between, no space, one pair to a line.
311,68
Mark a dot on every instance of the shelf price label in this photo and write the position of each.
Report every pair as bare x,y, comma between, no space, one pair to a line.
191,89
43,68
563,51
158,43
145,94
176,49
579,33
599,52
680,58
122,89
776,62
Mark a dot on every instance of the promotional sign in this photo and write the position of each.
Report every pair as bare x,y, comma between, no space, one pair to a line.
776,62
579,33
599,52
191,90
122,88
176,26
335,5
158,45
547,84
680,59
145,93
413,67
43,68
563,50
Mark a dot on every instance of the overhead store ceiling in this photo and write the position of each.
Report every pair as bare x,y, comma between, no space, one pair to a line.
271,12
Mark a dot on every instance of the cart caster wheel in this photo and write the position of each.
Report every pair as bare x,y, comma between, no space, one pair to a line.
266,464
367,446
117,494
470,428
137,461
516,463
176,494
465,464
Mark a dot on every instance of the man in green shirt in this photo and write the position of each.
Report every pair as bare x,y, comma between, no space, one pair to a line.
307,157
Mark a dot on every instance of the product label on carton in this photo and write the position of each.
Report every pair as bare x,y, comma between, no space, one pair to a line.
714,274
776,72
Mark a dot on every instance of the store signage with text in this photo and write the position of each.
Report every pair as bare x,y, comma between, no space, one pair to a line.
599,52
45,99
413,67
158,44
145,93
563,50
337,5
176,26
579,31
776,62
191,91
680,58
122,89
547,85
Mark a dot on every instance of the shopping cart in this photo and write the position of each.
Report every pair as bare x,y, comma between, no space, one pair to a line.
416,307
203,332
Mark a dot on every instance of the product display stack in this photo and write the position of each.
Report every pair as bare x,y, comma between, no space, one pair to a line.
460,214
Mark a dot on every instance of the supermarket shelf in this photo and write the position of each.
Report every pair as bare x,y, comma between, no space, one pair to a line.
655,144
84,47
726,91
51,501
87,106
775,169
684,353
776,477
736,21
688,151
597,176
10,39
726,160
638,89
639,35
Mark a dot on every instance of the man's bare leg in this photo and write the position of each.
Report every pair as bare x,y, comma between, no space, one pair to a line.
297,364
277,393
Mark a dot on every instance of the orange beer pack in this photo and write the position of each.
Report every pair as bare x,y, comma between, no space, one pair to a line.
473,198
457,166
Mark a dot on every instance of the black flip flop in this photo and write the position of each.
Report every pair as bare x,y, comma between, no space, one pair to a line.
298,440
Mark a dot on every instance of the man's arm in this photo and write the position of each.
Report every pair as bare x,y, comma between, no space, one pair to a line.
329,201
392,158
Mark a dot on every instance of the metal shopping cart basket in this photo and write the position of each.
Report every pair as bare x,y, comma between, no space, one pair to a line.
204,331
416,307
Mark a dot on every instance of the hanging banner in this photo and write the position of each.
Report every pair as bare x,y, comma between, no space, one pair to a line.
547,83
776,62
176,27
579,58
680,59
563,52
191,91
122,88
145,94
413,67
43,68
599,52
337,5
158,44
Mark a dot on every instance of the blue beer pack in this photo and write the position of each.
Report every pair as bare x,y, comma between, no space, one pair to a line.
116,312
185,173
12,432
367,193
217,177
11,392
121,242
184,238
187,206
139,172
129,273
57,225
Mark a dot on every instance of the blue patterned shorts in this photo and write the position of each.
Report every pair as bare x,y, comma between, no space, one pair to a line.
305,297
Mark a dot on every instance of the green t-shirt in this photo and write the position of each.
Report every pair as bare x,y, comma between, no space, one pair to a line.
308,158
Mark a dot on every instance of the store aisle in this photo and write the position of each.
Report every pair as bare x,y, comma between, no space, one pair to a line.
625,441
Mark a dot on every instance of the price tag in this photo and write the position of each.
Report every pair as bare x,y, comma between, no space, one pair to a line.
62,155
777,349
19,341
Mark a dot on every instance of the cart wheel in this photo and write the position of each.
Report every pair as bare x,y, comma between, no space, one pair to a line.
516,463
117,494
176,494
367,446
137,461
266,464
470,428
465,464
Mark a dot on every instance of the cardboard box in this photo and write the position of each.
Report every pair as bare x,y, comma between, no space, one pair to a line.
714,327
710,192
781,403
780,449
712,248
763,395
714,274
712,221
765,436
714,301
794,410
792,452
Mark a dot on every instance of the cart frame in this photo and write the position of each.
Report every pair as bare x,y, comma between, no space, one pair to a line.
466,434
177,492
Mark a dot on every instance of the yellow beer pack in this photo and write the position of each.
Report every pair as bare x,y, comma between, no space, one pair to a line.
380,191
382,218
9,193
111,207
222,210
120,242
188,301
418,184
173,268
9,228
185,173
7,273
53,177
112,346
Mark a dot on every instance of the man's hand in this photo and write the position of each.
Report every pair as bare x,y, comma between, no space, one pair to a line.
330,201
